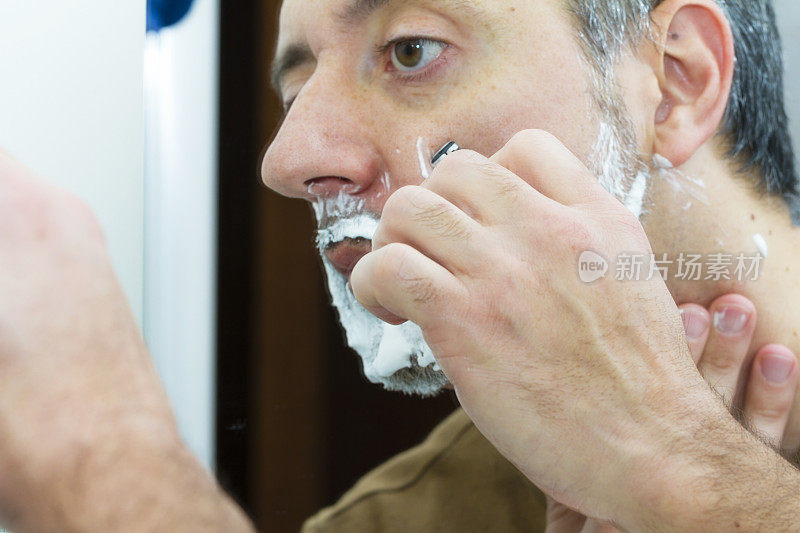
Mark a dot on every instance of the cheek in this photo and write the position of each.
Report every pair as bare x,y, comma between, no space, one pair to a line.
484,120
492,123
557,100
486,113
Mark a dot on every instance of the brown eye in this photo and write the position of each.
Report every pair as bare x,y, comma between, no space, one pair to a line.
416,54
409,53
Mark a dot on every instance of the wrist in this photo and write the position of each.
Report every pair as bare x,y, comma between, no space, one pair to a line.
720,478
675,491
134,480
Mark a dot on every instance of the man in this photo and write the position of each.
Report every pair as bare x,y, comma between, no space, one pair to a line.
644,93
588,389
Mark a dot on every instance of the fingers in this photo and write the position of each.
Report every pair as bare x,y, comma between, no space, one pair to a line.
770,392
398,283
484,189
533,166
733,320
424,220
548,166
719,340
696,322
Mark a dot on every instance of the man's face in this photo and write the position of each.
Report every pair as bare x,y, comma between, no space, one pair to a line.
374,87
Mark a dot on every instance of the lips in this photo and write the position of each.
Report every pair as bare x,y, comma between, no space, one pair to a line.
345,254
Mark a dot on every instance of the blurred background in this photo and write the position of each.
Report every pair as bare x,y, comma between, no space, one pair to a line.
157,114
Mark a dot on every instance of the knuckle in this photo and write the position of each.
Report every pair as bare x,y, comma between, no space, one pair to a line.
403,197
397,266
463,157
531,139
391,262
398,204
505,182
439,220
455,164
765,407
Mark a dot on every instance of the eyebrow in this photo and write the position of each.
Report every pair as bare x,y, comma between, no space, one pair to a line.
359,10
294,56
297,54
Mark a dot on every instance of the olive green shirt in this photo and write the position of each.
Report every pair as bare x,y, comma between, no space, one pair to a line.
454,481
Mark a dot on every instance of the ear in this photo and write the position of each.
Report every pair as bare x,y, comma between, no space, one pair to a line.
695,71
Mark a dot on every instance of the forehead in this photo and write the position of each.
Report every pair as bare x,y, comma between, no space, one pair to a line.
300,19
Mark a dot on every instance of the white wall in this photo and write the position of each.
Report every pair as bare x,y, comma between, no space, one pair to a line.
180,218
71,109
788,14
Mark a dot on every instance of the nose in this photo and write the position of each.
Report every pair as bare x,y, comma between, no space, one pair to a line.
324,146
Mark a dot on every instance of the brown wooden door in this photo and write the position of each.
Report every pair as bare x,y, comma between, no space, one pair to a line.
297,422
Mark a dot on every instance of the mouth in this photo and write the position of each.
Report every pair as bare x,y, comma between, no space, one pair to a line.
344,255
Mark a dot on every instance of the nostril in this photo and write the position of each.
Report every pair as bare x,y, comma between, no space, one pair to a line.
331,185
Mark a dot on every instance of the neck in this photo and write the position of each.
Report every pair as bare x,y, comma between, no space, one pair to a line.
728,222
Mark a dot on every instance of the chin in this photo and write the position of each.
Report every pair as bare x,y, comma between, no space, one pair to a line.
415,381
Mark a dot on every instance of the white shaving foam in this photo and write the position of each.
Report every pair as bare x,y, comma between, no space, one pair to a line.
393,353
607,157
359,227
348,220
761,244
384,349
610,170
424,156
661,162
399,346
341,206
634,200
680,182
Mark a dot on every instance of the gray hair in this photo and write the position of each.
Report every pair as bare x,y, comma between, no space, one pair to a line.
755,127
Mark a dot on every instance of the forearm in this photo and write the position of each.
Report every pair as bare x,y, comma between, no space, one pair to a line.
137,487
730,482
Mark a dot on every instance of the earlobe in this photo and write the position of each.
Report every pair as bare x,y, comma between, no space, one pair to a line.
695,74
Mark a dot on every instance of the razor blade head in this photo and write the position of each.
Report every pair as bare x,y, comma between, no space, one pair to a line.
447,149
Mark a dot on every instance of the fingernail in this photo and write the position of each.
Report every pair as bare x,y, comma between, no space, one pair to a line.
694,323
776,367
730,320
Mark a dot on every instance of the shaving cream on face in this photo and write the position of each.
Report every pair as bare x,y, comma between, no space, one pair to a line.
613,164
384,349
424,155
661,162
679,181
399,347
611,160
634,199
761,244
